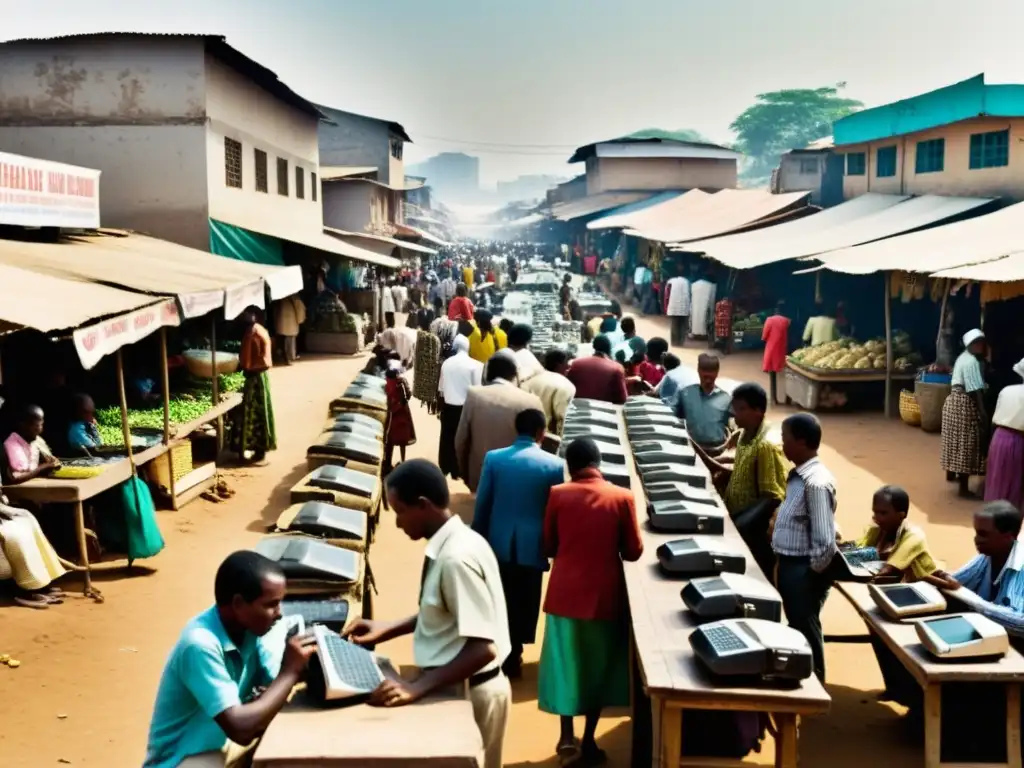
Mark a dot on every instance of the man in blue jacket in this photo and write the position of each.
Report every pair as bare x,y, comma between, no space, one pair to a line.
510,504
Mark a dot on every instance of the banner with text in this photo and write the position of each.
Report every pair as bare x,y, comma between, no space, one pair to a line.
40,193
94,342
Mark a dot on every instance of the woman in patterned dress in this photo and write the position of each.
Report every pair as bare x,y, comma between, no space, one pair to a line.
964,419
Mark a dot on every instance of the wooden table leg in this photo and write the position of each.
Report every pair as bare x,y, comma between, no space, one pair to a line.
1013,756
83,552
657,705
787,742
671,736
933,725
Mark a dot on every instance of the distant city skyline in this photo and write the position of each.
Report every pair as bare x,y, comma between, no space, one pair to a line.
520,85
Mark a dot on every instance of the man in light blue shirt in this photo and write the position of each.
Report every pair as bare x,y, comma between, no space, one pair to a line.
510,503
707,408
229,674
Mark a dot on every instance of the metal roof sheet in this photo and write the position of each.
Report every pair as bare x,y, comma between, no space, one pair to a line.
587,206
366,236
692,218
1005,269
626,215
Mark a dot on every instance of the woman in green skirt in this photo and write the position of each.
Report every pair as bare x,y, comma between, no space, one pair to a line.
590,527
252,430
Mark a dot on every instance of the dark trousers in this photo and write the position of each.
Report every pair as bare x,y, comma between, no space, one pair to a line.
389,319
803,591
773,388
522,587
680,327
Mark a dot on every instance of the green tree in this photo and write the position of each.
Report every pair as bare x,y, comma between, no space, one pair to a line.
783,120
683,134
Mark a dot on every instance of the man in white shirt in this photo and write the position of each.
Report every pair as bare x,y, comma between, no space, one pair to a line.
553,389
519,337
458,373
702,304
447,290
387,305
678,308
460,633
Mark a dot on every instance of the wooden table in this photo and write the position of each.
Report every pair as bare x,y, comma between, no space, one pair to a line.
901,638
672,676
803,385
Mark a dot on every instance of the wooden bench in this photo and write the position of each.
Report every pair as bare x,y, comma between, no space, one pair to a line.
931,674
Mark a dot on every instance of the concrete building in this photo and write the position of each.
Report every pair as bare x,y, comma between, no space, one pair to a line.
351,140
453,176
961,140
531,187
197,143
815,169
656,164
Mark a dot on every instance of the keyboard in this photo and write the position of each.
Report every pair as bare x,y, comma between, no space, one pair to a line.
724,640
330,613
349,670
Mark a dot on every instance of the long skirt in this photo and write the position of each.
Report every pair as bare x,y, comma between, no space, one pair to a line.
1005,475
253,426
961,435
584,666
25,553
522,586
446,457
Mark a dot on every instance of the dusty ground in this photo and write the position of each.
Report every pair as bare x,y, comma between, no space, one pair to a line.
84,692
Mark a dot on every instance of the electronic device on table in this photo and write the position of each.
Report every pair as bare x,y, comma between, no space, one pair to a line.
344,480
303,558
369,395
349,671
753,648
674,473
333,614
963,636
318,518
592,416
673,435
679,492
899,601
357,428
572,431
847,568
296,624
366,450
644,404
362,419
611,452
583,403
699,557
685,517
662,452
654,419
732,596
366,380
617,474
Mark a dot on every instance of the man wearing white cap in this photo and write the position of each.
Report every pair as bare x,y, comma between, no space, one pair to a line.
965,422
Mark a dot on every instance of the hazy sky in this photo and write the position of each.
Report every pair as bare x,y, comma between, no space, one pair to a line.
522,82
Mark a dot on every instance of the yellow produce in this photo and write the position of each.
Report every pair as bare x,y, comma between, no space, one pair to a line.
13,663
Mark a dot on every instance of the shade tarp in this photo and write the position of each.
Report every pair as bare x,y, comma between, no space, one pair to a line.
632,214
238,243
971,241
1005,269
366,240
428,236
587,206
685,219
378,255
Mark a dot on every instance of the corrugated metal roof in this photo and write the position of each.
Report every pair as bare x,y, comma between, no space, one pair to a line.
587,206
332,172
395,128
1006,269
691,218
624,217
972,241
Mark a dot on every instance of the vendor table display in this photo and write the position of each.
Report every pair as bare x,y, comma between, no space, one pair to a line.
847,354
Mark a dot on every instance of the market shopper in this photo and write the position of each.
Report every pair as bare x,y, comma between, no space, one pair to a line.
509,513
775,335
676,377
206,714
652,369
458,374
590,527
599,377
460,307
387,304
460,633
677,307
706,407
553,388
964,418
253,432
290,314
1005,471
485,339
399,430
519,337
804,537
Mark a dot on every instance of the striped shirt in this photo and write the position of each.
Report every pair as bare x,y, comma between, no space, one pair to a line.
806,522
1002,598
967,373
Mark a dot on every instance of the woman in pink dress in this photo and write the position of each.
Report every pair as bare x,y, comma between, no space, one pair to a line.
774,335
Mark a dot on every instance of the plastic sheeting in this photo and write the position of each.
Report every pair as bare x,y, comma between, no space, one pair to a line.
237,243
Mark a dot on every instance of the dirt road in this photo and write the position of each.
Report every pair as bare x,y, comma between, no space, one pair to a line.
84,692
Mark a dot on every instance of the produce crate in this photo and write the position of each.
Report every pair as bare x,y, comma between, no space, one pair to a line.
748,339
178,460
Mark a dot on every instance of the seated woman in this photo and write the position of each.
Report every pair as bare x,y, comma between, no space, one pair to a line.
27,557
900,545
27,454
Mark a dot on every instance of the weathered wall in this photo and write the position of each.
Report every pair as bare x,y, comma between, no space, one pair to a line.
348,206
355,140
105,81
793,179
609,174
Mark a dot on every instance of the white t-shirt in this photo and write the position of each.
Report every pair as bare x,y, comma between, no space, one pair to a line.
678,297
1010,408
387,299
702,299
458,373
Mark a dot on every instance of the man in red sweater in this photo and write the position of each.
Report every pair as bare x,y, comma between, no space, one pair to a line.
598,377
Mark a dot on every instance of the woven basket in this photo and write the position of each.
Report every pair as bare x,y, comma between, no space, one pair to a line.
180,456
200,363
930,399
909,410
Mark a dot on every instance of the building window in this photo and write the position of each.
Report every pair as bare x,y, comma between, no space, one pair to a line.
885,162
260,158
808,166
300,182
282,176
930,156
990,150
396,149
232,163
856,163
312,186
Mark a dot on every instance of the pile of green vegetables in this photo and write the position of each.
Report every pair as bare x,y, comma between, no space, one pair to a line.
185,406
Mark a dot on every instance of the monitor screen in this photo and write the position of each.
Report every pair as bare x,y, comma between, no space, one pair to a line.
954,631
903,597
713,585
682,545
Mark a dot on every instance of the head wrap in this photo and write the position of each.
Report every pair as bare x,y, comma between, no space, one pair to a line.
461,344
972,336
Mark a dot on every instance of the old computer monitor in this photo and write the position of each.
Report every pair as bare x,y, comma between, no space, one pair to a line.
674,435
369,395
616,474
732,596
356,428
899,601
593,417
318,518
690,558
344,480
362,419
679,492
963,636
366,380
644,404
572,431
654,419
363,449
686,517
308,559
597,405
333,614
753,648
611,452
674,473
662,452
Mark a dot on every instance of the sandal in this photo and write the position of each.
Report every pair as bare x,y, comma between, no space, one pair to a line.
29,602
568,752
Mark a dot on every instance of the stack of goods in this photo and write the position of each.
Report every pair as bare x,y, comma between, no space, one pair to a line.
846,355
364,395
748,323
600,422
353,440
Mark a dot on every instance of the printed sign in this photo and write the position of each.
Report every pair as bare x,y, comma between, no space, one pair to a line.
39,193
94,342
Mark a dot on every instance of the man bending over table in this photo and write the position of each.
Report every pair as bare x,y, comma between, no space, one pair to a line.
211,705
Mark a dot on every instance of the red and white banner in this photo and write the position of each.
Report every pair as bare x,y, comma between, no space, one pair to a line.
94,342
39,193
240,297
